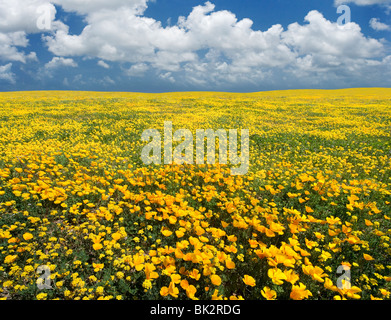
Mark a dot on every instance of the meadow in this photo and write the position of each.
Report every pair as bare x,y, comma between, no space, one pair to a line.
76,198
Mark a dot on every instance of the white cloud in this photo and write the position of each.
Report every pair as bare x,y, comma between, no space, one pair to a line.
49,68
363,2
18,18
10,44
87,7
379,26
137,70
103,64
119,35
167,76
235,51
320,37
6,73
25,15
319,51
57,62
107,81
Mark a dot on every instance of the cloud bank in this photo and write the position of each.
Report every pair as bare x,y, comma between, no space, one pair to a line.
203,48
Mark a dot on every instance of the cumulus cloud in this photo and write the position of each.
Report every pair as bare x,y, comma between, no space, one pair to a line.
18,18
8,46
103,64
49,69
25,15
322,37
107,81
375,24
234,50
6,73
137,70
363,2
328,49
386,4
119,35
87,7
167,76
317,51
57,62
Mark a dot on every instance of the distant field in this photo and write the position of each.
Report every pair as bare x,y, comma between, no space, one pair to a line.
76,198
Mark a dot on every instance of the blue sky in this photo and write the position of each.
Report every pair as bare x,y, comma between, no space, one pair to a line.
176,45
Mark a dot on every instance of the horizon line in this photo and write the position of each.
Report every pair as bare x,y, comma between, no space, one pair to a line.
194,91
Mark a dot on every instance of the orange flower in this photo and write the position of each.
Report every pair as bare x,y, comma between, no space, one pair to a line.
166,232
97,242
184,284
291,276
299,292
368,257
27,236
175,278
268,293
216,280
171,290
149,270
195,274
308,209
116,236
164,291
276,275
224,224
230,264
248,280
138,262
190,292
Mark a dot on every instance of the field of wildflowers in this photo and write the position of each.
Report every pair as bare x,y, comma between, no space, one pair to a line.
76,198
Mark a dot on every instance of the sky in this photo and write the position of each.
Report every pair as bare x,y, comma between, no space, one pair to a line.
189,45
